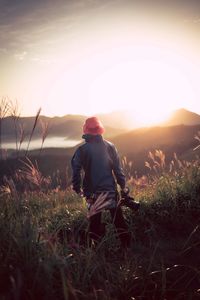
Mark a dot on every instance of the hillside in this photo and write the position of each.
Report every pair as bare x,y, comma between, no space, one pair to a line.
182,116
135,145
156,137
69,126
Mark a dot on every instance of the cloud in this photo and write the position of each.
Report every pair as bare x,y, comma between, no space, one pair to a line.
31,27
44,61
192,20
20,56
3,50
196,20
43,28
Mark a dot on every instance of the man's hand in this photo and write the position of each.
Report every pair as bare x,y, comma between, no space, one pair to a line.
89,202
125,192
78,192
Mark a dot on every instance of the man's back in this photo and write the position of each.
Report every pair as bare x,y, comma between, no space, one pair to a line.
97,165
99,160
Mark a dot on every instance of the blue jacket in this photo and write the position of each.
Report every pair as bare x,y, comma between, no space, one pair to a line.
99,160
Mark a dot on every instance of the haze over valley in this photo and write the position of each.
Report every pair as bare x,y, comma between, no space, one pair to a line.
175,135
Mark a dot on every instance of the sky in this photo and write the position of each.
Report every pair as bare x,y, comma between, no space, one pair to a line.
97,56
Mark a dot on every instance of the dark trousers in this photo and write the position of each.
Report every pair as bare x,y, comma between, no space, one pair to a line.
97,229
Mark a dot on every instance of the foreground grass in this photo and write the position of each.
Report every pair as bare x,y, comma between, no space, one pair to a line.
44,252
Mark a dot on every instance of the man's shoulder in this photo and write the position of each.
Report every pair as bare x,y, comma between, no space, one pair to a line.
81,147
79,151
109,144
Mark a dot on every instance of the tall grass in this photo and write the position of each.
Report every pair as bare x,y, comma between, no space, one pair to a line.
45,252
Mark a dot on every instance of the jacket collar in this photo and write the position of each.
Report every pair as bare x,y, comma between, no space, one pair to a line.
92,138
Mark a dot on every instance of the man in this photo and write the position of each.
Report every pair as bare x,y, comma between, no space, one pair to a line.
100,162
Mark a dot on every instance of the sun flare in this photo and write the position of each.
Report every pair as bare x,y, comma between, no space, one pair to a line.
93,57
144,81
149,90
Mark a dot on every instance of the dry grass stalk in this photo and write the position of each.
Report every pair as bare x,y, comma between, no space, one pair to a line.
161,156
197,137
21,135
157,161
9,188
127,167
45,131
140,182
4,109
33,129
101,203
31,175
15,114
178,162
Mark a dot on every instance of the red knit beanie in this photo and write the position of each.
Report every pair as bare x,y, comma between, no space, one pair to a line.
93,126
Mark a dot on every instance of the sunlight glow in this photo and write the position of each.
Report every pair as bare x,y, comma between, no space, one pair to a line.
149,82
150,89
121,59
142,80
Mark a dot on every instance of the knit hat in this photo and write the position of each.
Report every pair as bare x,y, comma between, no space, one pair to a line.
93,126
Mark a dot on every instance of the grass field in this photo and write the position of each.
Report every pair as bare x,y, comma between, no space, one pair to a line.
45,253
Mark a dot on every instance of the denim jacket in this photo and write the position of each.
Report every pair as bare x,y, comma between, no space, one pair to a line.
100,162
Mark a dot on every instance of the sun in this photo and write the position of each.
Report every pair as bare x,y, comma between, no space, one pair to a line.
148,89
146,81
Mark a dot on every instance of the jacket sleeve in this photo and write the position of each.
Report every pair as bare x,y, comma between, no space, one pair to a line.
117,169
76,171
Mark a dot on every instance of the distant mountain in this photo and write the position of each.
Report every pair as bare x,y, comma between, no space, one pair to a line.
182,116
156,137
136,144
69,126
118,119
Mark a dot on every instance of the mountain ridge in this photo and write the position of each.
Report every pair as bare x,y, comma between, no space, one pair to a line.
70,126
182,116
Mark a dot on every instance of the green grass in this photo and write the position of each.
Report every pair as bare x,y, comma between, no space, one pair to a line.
45,254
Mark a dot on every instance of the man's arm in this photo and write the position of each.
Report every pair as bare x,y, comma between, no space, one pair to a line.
76,171
117,169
